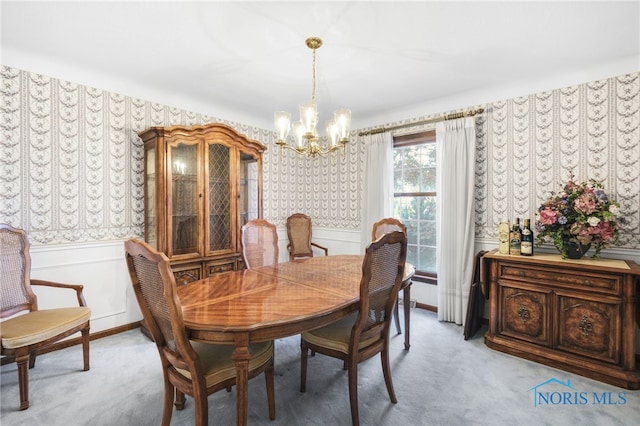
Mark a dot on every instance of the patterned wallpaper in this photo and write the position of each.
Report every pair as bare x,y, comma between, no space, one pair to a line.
326,188
529,144
71,161
71,164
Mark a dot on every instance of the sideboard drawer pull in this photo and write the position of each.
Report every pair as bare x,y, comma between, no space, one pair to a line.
588,283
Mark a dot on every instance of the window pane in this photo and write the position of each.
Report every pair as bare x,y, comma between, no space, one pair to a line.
427,259
415,173
418,215
428,155
398,155
406,208
427,207
411,180
412,230
427,233
428,180
408,165
412,254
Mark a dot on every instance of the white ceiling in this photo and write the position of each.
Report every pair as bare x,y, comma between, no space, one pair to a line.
244,60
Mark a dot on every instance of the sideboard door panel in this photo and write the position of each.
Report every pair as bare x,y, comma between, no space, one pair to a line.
589,328
524,314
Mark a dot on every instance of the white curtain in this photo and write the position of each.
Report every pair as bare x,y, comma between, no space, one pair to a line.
378,184
456,152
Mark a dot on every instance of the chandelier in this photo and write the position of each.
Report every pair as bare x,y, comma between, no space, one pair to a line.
304,131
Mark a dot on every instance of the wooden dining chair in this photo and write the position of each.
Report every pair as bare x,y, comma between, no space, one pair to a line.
364,333
259,243
24,334
380,228
190,368
299,233
385,225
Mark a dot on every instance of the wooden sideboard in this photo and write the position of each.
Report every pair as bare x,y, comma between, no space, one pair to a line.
576,315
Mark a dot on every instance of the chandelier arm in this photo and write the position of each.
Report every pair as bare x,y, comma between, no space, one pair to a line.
309,150
306,127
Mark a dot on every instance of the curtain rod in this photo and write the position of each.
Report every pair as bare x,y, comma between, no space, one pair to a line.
453,116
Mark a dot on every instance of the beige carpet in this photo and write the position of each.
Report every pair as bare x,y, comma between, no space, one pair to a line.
442,380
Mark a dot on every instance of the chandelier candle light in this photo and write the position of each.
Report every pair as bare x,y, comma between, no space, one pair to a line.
304,131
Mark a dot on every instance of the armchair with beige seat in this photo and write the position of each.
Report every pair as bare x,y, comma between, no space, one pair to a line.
299,233
26,329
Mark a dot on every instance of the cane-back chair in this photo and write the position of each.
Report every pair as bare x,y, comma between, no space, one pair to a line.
190,368
25,334
299,233
381,227
385,225
364,333
259,243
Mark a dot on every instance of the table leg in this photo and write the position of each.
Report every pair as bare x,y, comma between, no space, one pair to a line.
406,295
241,357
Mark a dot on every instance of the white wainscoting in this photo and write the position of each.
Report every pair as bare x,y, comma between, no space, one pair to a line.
100,267
338,241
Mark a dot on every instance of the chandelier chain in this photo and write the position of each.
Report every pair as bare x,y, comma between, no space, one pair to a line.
313,90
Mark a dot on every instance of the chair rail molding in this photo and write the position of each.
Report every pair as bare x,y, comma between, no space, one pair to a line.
100,267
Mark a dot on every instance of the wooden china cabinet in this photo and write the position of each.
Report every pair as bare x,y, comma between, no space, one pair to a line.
576,315
201,184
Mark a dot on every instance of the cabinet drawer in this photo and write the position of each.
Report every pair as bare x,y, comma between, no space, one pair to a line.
589,327
583,280
525,314
218,267
184,274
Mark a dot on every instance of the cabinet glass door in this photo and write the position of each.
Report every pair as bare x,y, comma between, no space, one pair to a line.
150,191
219,197
184,198
248,188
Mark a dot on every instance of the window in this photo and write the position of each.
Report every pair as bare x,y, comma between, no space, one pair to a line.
414,177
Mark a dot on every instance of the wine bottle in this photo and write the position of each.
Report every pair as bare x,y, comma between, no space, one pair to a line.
503,237
526,243
515,238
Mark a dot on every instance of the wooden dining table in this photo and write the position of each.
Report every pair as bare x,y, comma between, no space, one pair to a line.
272,302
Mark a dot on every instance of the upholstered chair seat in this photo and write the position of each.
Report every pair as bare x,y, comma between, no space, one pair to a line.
217,361
337,335
38,326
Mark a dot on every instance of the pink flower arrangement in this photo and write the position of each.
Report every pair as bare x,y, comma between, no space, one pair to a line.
582,214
